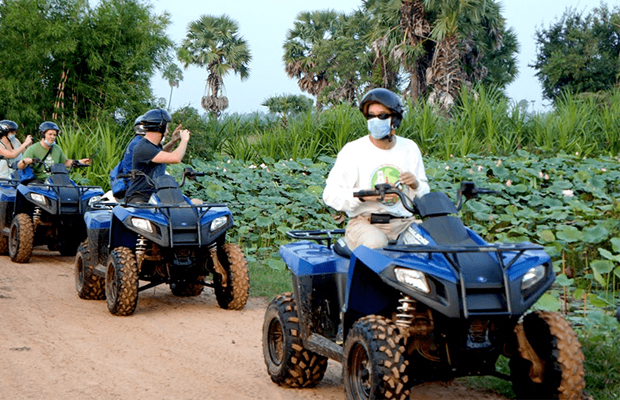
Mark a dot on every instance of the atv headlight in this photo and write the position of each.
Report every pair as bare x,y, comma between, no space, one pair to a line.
413,278
532,277
219,222
142,224
93,200
39,198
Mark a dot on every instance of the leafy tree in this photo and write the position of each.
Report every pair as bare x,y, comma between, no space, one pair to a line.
65,59
173,74
440,45
579,53
300,58
214,43
285,105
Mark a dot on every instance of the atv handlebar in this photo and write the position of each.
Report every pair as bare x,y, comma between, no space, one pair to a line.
382,189
468,190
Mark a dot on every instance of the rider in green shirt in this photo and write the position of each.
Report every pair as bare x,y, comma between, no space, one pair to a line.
47,151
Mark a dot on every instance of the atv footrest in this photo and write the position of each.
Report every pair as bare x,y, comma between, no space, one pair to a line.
322,345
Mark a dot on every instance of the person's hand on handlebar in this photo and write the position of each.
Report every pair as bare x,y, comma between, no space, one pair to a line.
409,179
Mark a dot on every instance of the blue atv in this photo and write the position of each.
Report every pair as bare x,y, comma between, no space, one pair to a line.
436,304
8,189
49,213
168,240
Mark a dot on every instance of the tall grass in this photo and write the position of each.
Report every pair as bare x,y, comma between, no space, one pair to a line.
104,143
483,122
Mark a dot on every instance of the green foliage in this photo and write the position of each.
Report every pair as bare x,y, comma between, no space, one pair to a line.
579,53
482,122
65,59
288,104
103,142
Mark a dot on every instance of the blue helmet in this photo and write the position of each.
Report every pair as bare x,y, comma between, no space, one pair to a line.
7,126
46,126
156,120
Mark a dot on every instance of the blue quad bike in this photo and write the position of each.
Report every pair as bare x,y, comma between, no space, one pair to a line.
8,189
49,213
168,240
436,304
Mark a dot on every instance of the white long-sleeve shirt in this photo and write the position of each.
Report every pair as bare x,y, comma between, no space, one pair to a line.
360,165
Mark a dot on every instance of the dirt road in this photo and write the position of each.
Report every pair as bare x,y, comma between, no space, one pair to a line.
54,345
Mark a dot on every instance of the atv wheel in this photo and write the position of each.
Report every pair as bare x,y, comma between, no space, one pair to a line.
4,244
556,344
21,237
235,294
289,364
185,289
88,285
121,282
374,362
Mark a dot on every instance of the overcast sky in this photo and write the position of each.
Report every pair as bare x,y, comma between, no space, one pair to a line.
264,24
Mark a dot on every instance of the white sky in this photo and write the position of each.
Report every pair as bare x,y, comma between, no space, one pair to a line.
264,24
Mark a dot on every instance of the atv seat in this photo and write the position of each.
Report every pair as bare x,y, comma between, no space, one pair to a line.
168,190
434,204
60,175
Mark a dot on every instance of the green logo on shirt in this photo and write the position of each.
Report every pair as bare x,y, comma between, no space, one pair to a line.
385,174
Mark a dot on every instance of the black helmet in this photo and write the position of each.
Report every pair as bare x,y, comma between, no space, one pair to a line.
46,126
138,128
388,99
7,126
156,120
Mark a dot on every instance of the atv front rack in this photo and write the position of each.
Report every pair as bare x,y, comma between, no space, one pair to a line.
498,248
450,252
318,235
201,210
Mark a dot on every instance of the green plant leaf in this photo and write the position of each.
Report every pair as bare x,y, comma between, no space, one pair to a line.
596,234
569,234
547,302
602,266
562,280
546,235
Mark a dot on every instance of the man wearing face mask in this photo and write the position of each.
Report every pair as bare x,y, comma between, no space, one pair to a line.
380,157
47,151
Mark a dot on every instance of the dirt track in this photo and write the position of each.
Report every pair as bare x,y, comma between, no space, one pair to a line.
54,345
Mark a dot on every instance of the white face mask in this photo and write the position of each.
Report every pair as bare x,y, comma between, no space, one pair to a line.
48,143
380,128
11,136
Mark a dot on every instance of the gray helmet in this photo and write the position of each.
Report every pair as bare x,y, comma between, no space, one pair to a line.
156,120
46,126
138,128
388,99
7,126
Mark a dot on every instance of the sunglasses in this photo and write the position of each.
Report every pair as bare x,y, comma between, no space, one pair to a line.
380,116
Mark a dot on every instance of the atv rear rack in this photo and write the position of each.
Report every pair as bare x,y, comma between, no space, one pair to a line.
318,235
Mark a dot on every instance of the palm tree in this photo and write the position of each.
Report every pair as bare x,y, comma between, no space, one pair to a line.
440,45
454,30
173,74
284,105
214,43
300,47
